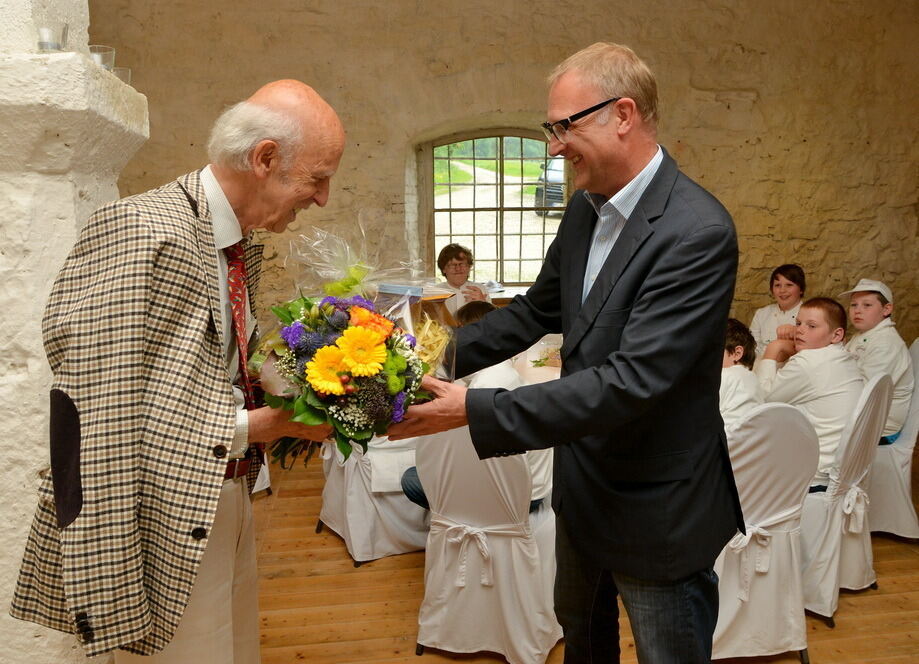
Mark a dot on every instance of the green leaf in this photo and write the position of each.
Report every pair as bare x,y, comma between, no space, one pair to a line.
313,400
344,445
283,315
310,417
278,402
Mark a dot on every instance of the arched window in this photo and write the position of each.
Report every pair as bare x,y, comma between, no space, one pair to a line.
500,194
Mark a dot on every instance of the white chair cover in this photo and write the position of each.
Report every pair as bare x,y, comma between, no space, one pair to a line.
834,529
373,524
890,477
774,453
489,569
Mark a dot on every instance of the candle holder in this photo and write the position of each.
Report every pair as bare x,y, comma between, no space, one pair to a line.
123,73
52,38
104,56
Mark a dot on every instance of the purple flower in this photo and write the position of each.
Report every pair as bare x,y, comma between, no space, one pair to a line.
334,301
358,301
293,333
309,343
411,340
398,407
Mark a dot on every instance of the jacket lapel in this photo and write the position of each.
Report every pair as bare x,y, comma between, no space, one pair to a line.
634,234
580,250
207,251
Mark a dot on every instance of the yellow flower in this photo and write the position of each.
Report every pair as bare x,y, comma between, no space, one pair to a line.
363,351
322,370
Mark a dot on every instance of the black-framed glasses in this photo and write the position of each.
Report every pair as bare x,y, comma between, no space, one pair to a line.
559,129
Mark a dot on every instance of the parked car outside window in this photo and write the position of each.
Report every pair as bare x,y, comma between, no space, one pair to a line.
550,187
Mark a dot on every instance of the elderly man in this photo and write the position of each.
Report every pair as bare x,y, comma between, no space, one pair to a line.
143,538
639,280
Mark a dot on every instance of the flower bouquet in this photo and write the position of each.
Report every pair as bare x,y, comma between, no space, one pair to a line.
345,360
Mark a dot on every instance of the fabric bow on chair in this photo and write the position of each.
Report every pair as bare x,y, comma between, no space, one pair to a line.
854,506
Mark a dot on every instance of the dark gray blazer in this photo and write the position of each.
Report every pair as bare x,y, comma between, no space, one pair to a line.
642,478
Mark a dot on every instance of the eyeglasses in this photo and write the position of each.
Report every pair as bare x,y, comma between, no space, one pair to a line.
457,265
559,129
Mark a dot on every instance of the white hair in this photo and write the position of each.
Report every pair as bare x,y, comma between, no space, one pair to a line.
243,126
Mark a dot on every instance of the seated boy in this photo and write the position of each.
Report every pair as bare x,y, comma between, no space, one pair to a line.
503,375
821,378
740,391
878,348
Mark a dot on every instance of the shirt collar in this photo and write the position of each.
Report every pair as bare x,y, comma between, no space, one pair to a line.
627,198
226,226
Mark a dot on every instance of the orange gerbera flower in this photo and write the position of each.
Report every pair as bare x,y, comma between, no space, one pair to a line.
363,351
370,320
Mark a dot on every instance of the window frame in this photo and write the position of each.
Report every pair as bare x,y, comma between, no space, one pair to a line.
424,158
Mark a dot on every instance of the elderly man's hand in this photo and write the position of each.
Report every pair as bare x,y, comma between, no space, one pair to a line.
446,411
268,424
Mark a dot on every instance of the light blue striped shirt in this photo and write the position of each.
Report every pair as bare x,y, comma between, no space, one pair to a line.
612,217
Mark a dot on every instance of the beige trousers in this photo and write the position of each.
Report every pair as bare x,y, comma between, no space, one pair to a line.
220,623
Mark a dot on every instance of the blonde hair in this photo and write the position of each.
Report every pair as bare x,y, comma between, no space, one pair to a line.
615,71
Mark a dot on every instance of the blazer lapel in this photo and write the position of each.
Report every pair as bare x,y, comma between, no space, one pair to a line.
207,251
580,250
634,233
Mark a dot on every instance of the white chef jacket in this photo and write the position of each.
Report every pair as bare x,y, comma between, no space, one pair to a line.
881,350
765,322
823,383
739,394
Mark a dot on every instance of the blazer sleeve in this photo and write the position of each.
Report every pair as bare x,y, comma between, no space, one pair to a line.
93,331
678,313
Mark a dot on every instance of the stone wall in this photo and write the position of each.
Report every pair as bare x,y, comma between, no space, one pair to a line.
799,116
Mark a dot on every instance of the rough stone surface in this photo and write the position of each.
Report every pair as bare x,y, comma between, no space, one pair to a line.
68,128
800,117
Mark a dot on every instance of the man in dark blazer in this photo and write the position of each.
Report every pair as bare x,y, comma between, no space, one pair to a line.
639,281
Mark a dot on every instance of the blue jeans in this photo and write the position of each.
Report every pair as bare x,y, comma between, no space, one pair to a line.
411,487
672,621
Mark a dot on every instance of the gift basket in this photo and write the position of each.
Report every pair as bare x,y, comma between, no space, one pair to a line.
351,349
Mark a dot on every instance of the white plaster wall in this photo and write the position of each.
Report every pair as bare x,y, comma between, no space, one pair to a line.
67,128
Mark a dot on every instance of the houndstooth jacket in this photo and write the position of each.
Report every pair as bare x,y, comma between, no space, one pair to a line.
141,405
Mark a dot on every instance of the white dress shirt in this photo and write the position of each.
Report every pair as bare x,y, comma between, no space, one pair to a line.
765,322
227,232
739,394
505,375
823,383
881,350
612,215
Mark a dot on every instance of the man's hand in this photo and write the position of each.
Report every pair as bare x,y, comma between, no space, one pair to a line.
779,350
786,331
268,424
446,411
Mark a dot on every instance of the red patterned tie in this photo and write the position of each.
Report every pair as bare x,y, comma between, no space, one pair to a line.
236,281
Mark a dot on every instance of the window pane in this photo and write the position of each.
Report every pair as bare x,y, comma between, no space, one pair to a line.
486,147
476,181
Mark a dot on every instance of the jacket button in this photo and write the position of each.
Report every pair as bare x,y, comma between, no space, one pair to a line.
220,451
199,533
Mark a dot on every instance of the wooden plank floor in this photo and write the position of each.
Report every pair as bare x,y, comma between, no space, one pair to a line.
317,607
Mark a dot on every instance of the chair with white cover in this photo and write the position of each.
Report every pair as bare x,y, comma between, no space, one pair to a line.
834,528
489,565
890,478
774,453
366,506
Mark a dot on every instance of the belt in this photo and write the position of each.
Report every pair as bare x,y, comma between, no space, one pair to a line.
237,468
